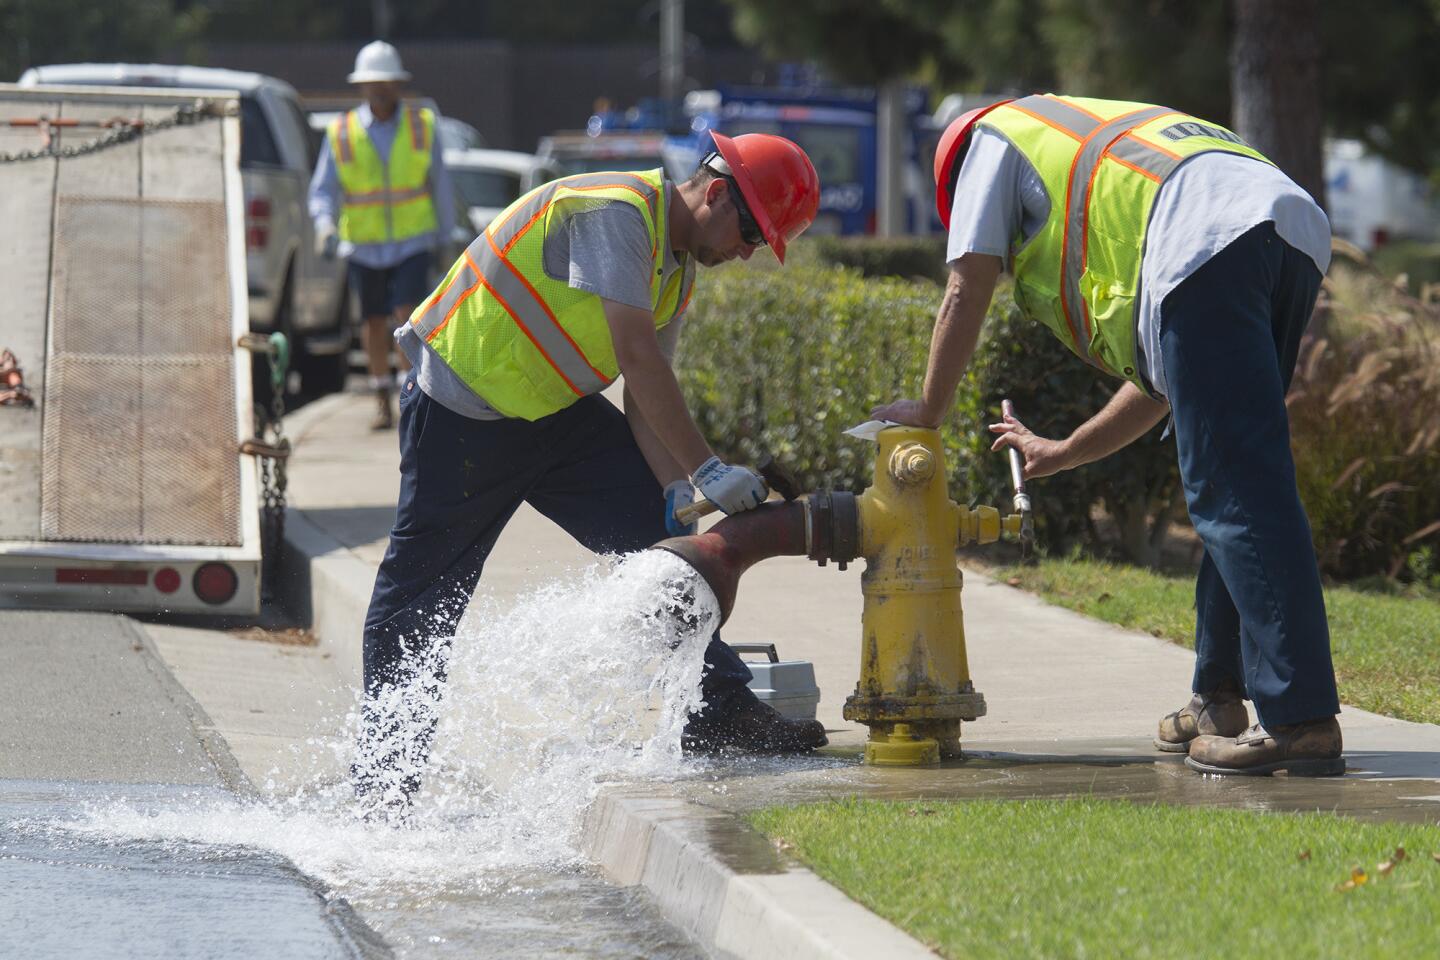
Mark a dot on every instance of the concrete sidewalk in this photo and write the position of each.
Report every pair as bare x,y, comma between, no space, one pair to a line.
1050,677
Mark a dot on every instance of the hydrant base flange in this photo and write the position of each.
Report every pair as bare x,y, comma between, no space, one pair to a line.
899,747
901,709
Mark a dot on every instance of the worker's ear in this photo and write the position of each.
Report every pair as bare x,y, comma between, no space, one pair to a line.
715,190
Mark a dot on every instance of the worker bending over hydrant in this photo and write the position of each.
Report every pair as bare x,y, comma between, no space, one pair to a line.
1167,252
577,282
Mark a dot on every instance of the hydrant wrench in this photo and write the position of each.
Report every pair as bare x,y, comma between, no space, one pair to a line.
1017,480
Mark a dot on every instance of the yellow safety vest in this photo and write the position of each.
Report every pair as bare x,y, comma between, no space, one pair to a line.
385,201
528,343
1102,163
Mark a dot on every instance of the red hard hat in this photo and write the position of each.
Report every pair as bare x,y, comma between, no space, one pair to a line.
778,183
948,150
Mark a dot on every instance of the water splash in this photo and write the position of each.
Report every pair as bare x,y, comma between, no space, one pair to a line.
581,683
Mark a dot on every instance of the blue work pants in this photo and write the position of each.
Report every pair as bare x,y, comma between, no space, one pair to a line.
1229,335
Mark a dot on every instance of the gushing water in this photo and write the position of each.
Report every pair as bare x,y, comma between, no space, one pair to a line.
581,683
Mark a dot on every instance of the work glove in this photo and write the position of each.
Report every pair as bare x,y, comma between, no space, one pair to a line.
678,496
327,242
730,488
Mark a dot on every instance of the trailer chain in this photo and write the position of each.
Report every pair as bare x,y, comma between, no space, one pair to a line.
272,449
273,482
124,130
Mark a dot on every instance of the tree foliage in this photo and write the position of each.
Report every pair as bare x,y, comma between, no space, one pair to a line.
35,32
1380,78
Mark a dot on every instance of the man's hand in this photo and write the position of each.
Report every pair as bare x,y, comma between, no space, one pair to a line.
732,489
1042,457
678,496
327,243
906,411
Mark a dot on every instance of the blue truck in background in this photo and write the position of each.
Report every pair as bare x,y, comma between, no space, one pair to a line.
835,127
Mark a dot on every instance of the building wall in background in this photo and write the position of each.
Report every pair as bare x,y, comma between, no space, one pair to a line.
512,94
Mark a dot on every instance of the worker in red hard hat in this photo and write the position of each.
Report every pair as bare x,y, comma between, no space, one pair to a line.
1165,251
577,282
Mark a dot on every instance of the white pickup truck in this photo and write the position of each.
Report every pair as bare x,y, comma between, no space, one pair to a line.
124,408
292,288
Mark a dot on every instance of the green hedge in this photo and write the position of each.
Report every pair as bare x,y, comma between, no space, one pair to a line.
909,258
781,361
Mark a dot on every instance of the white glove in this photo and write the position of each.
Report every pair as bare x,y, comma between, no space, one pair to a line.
730,488
327,243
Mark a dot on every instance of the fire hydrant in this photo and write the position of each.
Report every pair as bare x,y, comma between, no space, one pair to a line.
915,687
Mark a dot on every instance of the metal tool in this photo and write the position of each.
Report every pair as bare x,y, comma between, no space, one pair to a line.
779,479
1017,480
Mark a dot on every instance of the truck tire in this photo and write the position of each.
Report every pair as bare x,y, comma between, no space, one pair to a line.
323,374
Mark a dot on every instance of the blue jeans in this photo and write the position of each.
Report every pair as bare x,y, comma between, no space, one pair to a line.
1229,337
462,479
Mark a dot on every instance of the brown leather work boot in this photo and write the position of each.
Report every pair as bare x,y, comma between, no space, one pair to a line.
1308,749
384,420
1218,713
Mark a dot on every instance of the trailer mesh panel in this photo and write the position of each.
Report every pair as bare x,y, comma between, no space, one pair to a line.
141,294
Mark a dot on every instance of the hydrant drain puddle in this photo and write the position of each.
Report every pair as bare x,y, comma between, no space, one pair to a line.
580,685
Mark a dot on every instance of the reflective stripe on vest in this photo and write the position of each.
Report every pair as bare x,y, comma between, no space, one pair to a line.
1056,260
486,265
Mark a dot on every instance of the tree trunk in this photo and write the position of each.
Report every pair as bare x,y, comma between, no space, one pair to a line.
1275,86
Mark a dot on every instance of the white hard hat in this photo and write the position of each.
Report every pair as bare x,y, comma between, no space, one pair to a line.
376,62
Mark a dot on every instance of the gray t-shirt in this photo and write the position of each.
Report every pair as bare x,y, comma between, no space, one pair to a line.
603,249
1205,205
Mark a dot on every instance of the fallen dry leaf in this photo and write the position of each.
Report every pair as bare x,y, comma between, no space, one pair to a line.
1013,581
1303,855
1384,867
1398,855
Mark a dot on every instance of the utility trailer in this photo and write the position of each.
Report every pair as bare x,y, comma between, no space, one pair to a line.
122,262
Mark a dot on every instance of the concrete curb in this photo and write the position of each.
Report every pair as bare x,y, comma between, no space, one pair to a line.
329,587
723,884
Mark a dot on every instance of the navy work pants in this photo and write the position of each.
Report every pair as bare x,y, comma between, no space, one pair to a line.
1229,336
462,479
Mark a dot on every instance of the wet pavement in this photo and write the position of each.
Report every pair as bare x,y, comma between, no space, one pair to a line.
127,828
1378,785
74,895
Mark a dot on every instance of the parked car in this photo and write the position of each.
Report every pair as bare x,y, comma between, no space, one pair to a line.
292,289
488,181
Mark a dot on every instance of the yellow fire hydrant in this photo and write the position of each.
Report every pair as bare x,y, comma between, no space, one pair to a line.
915,686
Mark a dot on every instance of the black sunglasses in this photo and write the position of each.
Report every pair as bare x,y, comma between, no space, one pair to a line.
749,229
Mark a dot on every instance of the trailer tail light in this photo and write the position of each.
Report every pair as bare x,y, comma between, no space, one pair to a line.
257,223
167,580
215,583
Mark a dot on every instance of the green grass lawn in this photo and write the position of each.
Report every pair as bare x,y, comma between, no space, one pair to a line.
1092,878
1386,648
